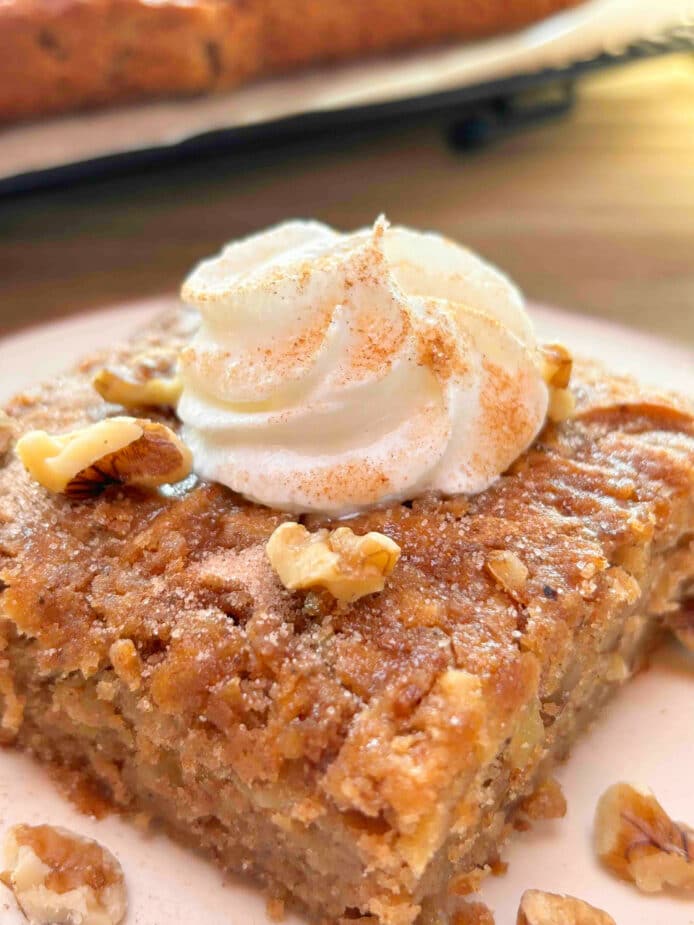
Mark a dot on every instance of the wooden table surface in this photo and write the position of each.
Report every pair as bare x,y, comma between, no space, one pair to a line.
593,211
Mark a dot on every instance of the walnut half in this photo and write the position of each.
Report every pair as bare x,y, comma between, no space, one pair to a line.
347,565
636,839
538,908
59,876
149,381
119,450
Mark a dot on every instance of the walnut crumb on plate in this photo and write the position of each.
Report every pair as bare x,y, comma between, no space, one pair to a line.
61,878
473,913
636,839
539,908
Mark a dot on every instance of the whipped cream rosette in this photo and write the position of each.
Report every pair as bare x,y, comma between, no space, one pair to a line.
332,372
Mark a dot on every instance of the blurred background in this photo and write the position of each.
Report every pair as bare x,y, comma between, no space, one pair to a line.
580,187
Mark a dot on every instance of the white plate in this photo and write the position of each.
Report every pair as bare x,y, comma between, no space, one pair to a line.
594,27
644,736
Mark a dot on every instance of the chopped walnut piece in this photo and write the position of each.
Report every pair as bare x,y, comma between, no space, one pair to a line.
59,876
538,908
149,381
508,571
119,450
562,405
6,432
557,365
529,735
636,839
347,565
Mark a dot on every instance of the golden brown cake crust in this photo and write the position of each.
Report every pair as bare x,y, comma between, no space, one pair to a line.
383,711
58,55
305,31
61,55
141,566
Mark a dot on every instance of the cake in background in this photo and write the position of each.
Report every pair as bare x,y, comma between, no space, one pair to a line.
74,54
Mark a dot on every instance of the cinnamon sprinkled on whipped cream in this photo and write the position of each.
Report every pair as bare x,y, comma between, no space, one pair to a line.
334,372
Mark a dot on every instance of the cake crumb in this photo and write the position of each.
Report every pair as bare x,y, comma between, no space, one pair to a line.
142,821
275,909
85,794
498,867
468,882
473,914
546,802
